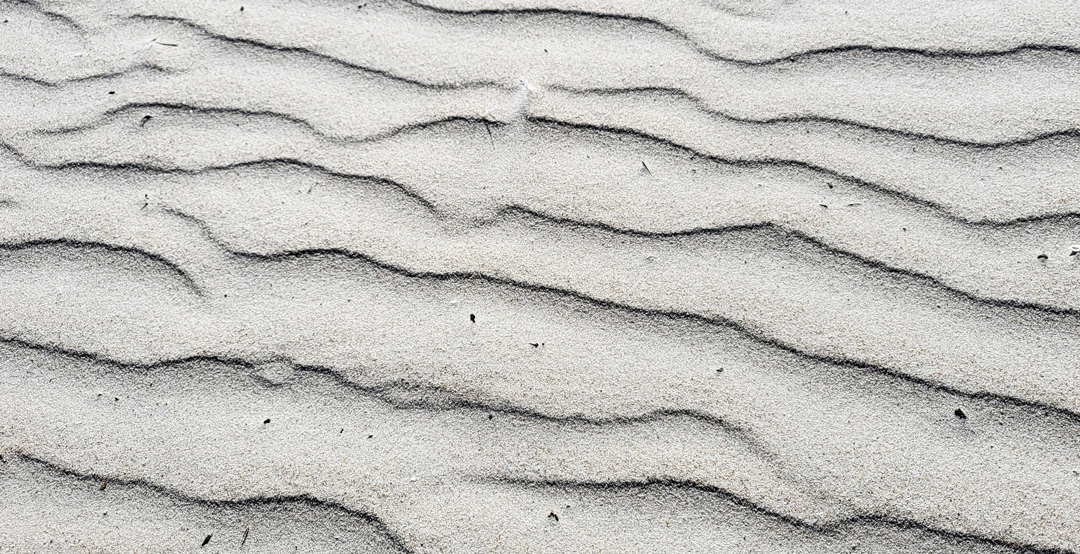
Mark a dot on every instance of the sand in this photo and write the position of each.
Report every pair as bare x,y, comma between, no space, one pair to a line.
539,276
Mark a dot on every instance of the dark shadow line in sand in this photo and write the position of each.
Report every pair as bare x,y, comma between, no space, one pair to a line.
830,121
127,108
447,399
155,260
295,500
795,235
704,50
137,68
943,210
52,15
831,527
314,54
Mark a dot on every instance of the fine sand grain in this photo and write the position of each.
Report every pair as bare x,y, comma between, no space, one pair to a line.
523,276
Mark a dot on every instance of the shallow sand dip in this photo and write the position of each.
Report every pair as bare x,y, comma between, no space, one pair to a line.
539,276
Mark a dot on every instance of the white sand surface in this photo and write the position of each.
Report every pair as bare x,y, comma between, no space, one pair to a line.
539,276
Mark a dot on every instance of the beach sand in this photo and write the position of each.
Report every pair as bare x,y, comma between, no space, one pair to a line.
539,276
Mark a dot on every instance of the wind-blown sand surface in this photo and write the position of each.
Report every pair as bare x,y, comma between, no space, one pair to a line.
539,276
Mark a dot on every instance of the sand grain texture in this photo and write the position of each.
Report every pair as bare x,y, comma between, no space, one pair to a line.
539,275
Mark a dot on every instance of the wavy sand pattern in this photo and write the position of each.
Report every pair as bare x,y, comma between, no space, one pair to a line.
538,276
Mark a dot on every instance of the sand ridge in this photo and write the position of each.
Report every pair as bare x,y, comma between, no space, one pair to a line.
538,275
